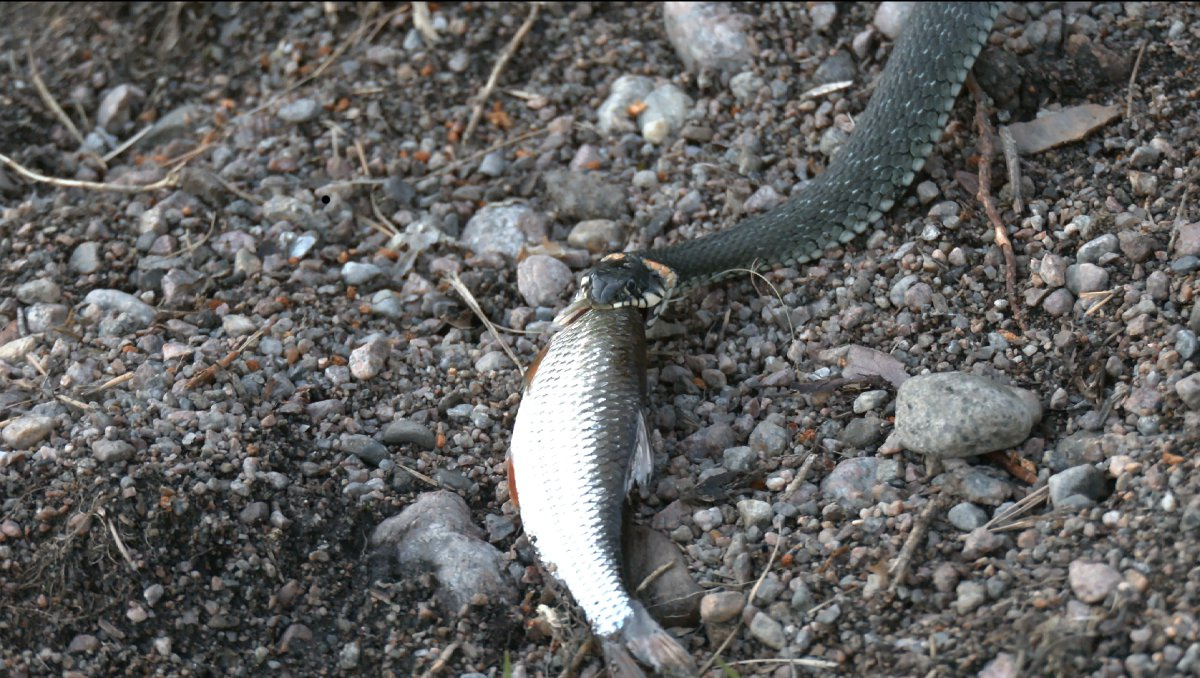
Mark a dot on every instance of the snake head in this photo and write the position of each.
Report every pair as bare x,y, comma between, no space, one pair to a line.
620,280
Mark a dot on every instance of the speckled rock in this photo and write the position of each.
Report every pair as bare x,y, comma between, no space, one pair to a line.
504,228
707,35
543,280
954,414
851,482
26,431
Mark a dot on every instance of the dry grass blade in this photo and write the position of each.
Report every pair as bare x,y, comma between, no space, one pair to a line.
120,543
418,475
128,143
1137,65
111,383
774,290
803,662
469,300
423,22
1025,505
505,56
169,181
753,592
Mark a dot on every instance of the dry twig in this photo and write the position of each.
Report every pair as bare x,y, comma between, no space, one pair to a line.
1025,505
209,373
658,572
899,568
115,381
47,99
985,196
505,56
440,663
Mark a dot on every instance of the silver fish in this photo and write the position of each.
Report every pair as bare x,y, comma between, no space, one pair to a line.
579,445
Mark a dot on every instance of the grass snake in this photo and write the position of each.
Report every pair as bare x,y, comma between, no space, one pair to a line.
580,440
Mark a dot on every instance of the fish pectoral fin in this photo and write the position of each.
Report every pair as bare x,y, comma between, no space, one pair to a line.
642,463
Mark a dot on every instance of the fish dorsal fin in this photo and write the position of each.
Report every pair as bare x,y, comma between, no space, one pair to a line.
642,463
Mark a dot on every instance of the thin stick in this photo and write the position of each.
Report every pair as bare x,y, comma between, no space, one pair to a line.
1012,160
469,300
169,181
794,486
984,195
899,569
1108,296
505,56
47,99
585,648
805,662
1137,64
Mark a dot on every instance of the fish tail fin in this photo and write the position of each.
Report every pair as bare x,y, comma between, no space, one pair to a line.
651,644
619,662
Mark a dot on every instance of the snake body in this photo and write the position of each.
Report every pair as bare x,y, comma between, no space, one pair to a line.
579,440
892,140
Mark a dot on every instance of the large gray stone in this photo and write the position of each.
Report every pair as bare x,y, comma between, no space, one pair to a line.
954,414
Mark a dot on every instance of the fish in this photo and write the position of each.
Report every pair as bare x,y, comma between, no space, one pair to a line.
579,445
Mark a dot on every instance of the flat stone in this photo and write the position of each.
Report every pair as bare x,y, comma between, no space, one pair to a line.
967,516
112,451
1084,481
402,431
955,414
767,631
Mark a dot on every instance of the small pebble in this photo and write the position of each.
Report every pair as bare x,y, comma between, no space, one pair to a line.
1092,582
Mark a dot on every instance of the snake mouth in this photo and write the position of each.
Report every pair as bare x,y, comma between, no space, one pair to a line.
621,280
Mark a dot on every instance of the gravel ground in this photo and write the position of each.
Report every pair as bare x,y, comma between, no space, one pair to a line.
216,392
